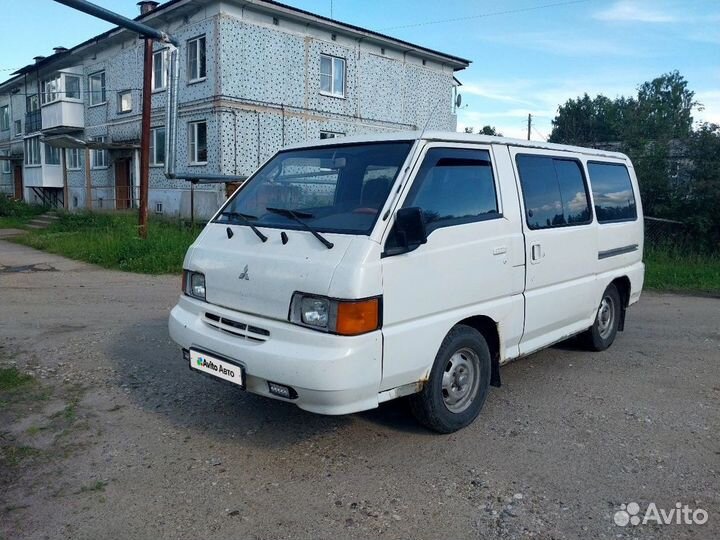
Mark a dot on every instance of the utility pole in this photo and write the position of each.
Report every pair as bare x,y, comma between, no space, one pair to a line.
145,7
529,124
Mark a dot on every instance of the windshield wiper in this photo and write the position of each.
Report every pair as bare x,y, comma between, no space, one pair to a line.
245,218
295,215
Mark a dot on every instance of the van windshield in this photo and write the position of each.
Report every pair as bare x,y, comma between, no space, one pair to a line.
339,188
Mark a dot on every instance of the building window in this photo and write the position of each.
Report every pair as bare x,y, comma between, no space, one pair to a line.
330,134
32,104
196,59
332,75
74,161
50,90
97,88
72,86
99,157
159,76
5,162
198,142
612,192
32,151
18,128
52,155
124,101
157,146
4,118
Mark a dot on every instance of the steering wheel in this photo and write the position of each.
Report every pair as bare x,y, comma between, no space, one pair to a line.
365,210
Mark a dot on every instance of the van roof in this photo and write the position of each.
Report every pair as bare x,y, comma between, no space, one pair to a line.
451,136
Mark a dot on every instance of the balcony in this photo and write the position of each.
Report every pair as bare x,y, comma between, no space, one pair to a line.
33,122
63,115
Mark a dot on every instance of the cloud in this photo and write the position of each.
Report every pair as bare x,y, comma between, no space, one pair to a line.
492,92
633,11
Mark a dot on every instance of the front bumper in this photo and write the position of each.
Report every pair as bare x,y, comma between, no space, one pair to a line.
331,374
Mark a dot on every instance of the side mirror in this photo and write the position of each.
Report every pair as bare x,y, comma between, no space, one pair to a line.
409,231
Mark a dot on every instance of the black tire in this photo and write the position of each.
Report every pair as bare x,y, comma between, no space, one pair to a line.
433,406
603,331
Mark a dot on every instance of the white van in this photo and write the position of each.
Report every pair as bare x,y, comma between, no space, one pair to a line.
353,271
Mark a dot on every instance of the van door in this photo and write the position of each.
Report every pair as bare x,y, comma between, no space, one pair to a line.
471,264
560,246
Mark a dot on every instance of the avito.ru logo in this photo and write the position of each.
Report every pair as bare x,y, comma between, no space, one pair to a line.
629,514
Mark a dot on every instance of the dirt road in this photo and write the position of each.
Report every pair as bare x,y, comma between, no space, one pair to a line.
117,439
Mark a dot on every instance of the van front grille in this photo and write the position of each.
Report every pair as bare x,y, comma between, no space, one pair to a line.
236,328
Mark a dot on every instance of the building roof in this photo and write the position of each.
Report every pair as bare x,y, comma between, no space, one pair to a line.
456,137
159,13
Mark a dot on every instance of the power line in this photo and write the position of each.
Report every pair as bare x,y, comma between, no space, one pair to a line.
483,15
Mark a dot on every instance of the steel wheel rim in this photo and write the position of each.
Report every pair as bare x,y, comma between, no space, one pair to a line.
606,317
460,381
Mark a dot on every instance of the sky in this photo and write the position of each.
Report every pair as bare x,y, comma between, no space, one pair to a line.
528,56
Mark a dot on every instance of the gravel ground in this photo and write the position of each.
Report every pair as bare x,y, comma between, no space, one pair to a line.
118,439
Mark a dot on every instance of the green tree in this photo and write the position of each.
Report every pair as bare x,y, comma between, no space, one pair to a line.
490,130
664,108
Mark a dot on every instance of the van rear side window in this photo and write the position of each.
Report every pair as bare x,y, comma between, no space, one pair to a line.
554,191
612,192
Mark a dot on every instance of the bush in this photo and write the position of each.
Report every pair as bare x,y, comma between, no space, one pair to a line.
18,209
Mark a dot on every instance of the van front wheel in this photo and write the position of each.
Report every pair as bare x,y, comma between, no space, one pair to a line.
458,384
607,319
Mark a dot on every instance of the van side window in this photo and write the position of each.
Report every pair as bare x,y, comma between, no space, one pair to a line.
554,191
612,192
454,186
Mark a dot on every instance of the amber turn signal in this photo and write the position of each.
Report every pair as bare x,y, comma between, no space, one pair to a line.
355,318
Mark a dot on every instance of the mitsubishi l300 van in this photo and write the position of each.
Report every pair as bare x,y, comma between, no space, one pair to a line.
353,271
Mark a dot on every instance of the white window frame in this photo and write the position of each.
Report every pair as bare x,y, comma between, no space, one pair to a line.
16,131
64,94
196,77
96,163
120,95
5,118
50,150
73,159
50,90
32,152
162,54
103,90
5,162
154,147
333,92
192,142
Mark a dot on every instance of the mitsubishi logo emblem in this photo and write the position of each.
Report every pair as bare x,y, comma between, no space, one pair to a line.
245,274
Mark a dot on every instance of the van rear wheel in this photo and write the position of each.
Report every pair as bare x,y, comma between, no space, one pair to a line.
607,319
458,384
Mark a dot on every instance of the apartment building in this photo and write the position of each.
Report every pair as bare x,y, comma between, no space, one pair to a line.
255,75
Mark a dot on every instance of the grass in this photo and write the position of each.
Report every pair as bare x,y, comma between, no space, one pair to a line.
11,379
16,214
680,270
111,241
98,485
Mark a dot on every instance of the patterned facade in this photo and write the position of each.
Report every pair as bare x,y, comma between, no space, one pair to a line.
261,90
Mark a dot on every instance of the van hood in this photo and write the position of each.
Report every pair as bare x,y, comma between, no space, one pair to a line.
244,274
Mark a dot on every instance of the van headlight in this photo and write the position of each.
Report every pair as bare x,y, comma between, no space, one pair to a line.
344,317
315,311
194,284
